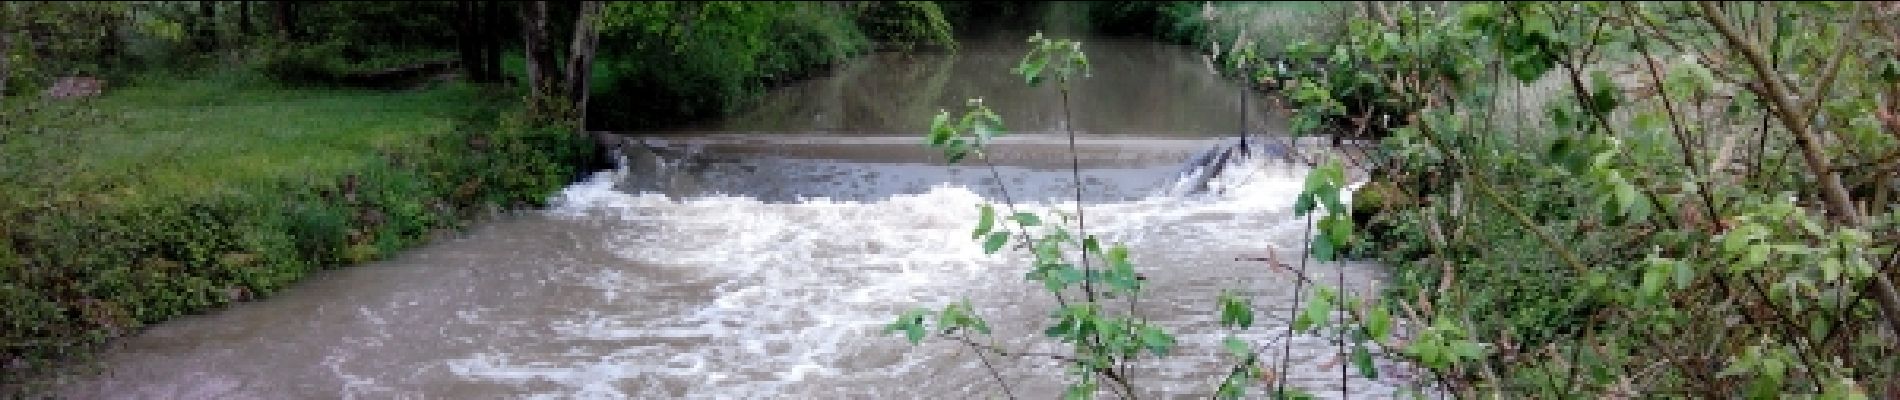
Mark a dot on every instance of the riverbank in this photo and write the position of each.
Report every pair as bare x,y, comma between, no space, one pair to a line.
172,197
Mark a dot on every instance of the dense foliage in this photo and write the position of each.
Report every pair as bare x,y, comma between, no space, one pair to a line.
668,62
1584,199
1624,198
332,40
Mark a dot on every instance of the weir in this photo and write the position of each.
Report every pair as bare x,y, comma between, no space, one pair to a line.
760,256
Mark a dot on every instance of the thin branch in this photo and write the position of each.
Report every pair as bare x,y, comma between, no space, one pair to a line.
1299,289
1838,201
1682,139
998,375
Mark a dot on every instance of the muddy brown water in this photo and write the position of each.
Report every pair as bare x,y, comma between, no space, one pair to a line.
762,262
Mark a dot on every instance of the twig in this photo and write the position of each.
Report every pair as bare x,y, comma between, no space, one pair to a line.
998,375
1682,139
1838,200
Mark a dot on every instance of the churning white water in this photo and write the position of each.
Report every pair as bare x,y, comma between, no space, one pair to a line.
797,292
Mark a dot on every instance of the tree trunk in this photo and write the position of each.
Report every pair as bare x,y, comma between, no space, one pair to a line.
109,45
207,25
543,73
285,13
468,40
491,41
580,58
244,18
6,47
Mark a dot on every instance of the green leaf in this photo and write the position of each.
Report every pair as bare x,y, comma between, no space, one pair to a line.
1235,311
1335,173
1378,322
1322,248
940,131
1338,228
1653,278
985,220
1031,70
1083,391
1121,273
1026,219
1229,390
1304,204
1757,255
1773,367
1626,197
951,317
1329,196
995,242
1236,347
1316,180
1066,274
983,130
1685,274
1317,313
1733,240
1466,350
1292,393
1363,359
1156,340
1528,67
911,323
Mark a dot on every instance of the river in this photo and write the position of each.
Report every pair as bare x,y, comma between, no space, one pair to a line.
758,256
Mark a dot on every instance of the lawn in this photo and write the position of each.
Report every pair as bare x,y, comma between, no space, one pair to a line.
168,138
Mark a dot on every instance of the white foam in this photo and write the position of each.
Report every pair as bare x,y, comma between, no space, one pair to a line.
801,285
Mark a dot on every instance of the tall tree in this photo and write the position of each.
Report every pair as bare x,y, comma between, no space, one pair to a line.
207,33
543,74
491,48
469,40
580,58
6,46
285,13
244,18
554,94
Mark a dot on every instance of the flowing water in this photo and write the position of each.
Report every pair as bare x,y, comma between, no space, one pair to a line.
756,265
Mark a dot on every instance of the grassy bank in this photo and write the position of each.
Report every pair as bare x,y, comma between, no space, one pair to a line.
172,197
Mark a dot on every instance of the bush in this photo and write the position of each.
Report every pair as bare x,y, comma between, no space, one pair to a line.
303,64
907,25
654,71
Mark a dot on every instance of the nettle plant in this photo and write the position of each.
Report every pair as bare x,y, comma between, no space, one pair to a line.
1096,288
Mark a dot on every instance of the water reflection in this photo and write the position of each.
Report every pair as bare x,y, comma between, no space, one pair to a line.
1136,87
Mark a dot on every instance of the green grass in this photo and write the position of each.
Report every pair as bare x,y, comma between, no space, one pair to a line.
168,197
182,137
